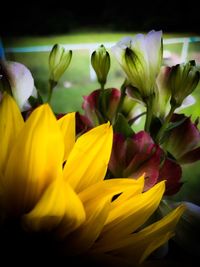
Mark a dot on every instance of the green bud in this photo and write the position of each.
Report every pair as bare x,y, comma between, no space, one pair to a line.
59,60
183,80
100,61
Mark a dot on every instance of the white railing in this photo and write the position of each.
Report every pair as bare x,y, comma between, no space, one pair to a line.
90,47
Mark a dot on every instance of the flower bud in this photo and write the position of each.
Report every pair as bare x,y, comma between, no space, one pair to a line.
100,61
59,60
183,80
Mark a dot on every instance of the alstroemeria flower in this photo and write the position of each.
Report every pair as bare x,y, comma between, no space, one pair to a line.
83,124
141,57
183,142
73,203
138,154
93,107
19,81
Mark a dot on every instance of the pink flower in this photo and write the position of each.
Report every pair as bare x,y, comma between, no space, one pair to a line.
137,155
83,124
171,172
100,106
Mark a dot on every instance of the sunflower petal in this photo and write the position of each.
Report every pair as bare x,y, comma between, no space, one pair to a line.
10,126
59,207
112,187
136,247
93,151
128,216
130,192
96,214
35,160
67,126
140,245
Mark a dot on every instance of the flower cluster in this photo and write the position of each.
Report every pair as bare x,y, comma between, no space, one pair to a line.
157,150
89,182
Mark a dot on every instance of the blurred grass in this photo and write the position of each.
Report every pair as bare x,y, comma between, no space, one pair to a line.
76,38
76,83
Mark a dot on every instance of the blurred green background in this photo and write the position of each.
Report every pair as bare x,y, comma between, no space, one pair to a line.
77,82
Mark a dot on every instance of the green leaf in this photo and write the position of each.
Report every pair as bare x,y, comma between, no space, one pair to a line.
34,102
122,126
173,125
155,126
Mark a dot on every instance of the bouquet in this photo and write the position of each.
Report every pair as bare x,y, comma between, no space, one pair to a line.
88,187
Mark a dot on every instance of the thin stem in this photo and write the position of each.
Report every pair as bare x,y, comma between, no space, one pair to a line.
149,114
132,120
102,97
102,105
165,124
102,86
52,84
121,101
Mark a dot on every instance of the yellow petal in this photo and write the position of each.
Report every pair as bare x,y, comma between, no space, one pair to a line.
137,247
88,160
128,216
36,160
112,187
161,230
67,126
11,122
96,215
130,192
58,207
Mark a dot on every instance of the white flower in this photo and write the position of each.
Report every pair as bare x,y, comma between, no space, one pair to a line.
20,82
141,57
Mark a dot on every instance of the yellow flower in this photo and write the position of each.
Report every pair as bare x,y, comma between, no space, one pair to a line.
74,203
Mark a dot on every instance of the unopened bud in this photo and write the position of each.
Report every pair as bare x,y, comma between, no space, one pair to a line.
183,80
100,61
59,60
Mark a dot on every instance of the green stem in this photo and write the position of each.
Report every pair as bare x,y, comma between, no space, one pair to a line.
149,114
121,101
131,121
161,132
52,84
102,97
102,105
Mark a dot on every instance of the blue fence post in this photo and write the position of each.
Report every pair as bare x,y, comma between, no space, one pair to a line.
2,53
